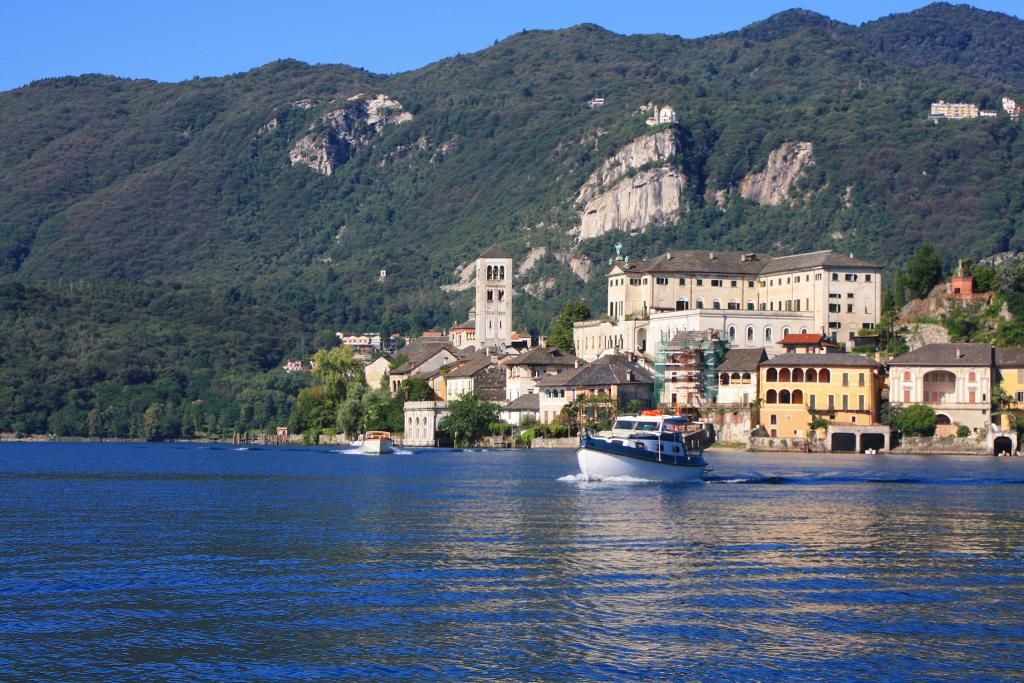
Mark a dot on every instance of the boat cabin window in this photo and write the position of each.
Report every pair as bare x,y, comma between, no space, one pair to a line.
643,426
624,424
674,425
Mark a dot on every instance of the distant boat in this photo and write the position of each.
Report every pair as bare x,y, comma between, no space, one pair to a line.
376,443
653,447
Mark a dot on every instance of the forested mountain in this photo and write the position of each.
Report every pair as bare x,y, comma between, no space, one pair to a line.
280,193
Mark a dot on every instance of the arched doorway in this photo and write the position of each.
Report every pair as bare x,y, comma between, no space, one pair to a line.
944,426
875,442
844,442
1003,444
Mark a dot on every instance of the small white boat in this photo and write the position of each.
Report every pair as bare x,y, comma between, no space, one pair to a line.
376,443
653,447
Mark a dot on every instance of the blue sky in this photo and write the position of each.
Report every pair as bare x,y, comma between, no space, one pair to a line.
174,40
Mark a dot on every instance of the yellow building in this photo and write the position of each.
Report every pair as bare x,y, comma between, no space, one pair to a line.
1010,373
843,388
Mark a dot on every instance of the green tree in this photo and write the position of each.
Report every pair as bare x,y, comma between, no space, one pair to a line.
468,418
415,389
560,334
916,420
349,418
151,422
338,371
312,411
382,411
924,271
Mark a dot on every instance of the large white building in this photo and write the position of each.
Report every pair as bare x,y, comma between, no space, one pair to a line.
751,298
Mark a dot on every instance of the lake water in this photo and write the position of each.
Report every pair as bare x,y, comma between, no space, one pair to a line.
182,562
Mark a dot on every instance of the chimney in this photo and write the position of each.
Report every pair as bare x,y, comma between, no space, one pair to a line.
851,254
668,256
711,255
959,353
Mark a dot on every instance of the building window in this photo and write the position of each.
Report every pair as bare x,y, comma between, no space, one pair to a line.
734,305
682,305
700,303
661,280
700,282
867,277
732,333
682,280
846,379
750,305
490,295
846,402
831,402
750,334
716,304
785,332
835,276
851,277
767,335
734,283
860,402
814,402
849,308
835,308
860,380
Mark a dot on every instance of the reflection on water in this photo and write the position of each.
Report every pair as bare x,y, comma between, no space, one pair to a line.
130,562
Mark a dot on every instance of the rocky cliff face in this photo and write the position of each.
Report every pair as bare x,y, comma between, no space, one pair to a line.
333,137
618,196
785,166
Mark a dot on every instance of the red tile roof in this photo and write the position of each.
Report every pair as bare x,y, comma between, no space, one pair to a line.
802,339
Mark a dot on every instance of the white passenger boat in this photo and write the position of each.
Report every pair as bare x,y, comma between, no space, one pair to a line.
376,443
655,447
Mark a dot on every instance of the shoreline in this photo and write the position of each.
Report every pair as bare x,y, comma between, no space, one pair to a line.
716,448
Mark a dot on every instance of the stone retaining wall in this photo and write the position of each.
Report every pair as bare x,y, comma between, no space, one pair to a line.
768,444
951,445
568,442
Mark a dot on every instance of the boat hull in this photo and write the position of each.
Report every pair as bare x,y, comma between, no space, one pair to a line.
596,465
377,446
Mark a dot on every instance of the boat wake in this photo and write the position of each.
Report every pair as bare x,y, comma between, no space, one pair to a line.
580,478
359,451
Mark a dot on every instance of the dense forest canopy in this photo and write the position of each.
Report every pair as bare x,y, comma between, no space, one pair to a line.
159,249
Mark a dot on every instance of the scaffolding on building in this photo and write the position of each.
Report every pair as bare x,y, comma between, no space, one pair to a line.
685,370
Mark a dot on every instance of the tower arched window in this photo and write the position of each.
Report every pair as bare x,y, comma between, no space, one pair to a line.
501,272
490,275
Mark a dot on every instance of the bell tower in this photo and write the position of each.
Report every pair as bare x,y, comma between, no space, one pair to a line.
493,298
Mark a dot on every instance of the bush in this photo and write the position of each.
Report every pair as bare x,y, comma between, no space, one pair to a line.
499,428
916,420
963,431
